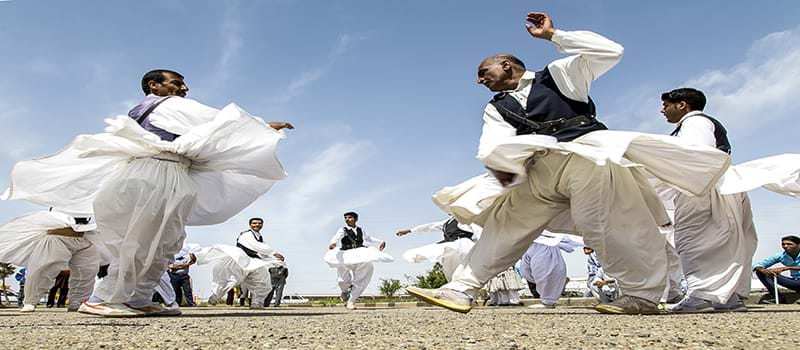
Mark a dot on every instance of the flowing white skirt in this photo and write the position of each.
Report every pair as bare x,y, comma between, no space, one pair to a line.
692,169
231,162
341,258
24,235
436,252
780,174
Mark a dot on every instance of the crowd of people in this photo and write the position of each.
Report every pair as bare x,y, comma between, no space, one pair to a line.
649,210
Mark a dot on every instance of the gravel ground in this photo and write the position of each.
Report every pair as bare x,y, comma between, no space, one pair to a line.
770,327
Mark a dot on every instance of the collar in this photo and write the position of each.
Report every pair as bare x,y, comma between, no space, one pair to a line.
526,80
354,228
687,115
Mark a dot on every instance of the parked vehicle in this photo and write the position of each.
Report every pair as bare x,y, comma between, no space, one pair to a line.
12,297
293,299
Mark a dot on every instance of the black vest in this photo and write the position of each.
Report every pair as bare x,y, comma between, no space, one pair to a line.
452,232
548,111
720,134
251,253
352,239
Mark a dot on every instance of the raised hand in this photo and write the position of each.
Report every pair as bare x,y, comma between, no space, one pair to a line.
332,246
539,25
403,232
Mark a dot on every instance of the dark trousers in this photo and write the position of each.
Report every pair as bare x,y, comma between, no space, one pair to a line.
277,291
62,296
21,295
182,287
783,281
532,287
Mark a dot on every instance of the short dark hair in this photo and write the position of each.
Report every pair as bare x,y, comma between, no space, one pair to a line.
693,97
793,238
254,219
509,57
351,213
156,75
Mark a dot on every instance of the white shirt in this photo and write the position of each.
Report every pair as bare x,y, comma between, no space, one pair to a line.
573,75
697,129
179,115
250,241
367,238
438,226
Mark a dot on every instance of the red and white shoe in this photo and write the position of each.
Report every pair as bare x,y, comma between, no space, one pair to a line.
108,310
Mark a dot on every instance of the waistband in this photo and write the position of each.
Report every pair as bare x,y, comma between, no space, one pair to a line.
65,232
172,157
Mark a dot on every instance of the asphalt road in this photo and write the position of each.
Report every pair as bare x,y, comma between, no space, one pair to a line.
770,327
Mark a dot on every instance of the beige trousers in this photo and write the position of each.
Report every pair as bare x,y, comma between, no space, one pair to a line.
609,206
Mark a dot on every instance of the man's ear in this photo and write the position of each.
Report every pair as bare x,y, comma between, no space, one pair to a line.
507,66
682,105
151,86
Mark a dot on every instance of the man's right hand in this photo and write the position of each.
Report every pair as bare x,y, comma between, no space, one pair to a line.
768,272
332,246
403,232
540,26
502,176
281,125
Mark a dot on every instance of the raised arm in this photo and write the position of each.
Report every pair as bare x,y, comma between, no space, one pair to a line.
429,227
593,55
336,238
251,243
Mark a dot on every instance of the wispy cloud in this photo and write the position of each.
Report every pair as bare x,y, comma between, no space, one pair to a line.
758,91
296,87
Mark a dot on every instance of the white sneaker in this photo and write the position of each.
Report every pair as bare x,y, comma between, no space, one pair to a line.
174,309
351,306
692,305
108,310
28,308
542,306
213,300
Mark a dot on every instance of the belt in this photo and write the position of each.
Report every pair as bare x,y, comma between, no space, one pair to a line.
553,126
65,232
170,157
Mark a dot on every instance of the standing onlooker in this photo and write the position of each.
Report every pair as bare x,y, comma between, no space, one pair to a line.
179,277
62,287
790,258
20,277
278,277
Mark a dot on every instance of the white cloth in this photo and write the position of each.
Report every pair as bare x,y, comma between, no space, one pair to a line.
354,267
714,233
448,254
165,290
145,190
365,236
544,265
779,174
340,258
232,267
24,242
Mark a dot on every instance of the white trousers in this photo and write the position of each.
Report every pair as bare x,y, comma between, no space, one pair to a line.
141,218
609,205
675,273
547,269
227,274
355,278
450,263
56,253
165,289
716,239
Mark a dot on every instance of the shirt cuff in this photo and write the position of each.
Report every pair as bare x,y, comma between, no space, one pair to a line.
558,37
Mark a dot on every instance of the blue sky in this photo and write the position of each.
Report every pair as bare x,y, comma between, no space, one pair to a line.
383,95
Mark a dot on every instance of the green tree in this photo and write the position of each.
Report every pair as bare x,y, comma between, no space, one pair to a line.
390,287
434,278
5,271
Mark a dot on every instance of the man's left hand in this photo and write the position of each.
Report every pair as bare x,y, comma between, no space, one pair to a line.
383,245
502,176
279,256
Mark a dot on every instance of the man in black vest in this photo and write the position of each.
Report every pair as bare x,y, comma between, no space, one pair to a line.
256,282
714,233
353,279
609,203
451,230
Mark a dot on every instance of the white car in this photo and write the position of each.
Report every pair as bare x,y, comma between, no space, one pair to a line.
293,299
12,297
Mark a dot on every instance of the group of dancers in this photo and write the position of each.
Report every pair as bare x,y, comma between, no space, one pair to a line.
122,198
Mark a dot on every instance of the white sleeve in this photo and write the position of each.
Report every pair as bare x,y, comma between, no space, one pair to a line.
370,239
495,129
431,227
179,115
698,130
338,236
250,242
595,55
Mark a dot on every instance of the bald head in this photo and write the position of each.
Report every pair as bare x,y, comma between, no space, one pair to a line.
500,72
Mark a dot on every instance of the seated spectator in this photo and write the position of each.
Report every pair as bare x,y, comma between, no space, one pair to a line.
601,286
791,262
